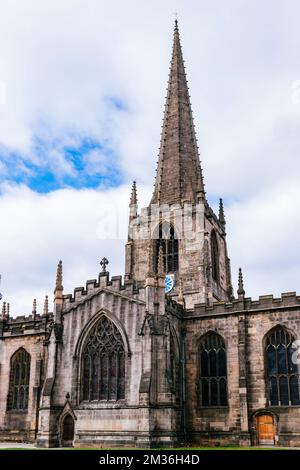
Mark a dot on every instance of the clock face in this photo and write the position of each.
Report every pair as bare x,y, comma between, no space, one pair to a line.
169,283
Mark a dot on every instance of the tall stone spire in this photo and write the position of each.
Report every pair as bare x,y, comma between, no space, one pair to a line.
179,175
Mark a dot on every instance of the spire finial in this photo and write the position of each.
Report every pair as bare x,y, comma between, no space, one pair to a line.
160,262
34,309
132,206
241,290
59,276
46,306
221,212
133,197
176,19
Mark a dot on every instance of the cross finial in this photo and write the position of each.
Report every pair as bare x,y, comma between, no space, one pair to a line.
103,263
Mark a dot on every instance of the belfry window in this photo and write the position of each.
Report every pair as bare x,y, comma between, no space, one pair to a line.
214,249
19,381
282,371
213,371
167,239
104,363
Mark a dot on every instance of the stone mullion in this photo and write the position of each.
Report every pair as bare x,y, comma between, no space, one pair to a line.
99,375
117,374
107,376
90,390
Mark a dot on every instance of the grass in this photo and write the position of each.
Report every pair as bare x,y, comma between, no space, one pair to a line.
148,450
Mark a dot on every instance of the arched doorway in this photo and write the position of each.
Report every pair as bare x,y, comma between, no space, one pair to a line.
67,431
265,429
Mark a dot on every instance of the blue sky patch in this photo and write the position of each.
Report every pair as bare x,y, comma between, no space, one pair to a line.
51,166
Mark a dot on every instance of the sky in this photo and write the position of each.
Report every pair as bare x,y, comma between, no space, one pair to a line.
82,90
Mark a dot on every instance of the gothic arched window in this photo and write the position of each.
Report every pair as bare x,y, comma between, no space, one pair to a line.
282,371
166,238
19,381
104,363
214,249
213,371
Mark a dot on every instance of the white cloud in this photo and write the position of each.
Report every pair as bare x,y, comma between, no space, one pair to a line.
83,226
79,227
263,236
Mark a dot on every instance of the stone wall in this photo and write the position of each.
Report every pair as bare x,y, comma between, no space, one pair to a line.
237,423
30,335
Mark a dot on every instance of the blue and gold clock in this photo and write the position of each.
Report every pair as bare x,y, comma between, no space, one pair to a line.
169,283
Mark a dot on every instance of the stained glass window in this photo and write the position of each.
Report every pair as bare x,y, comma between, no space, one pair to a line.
213,371
19,381
282,372
104,363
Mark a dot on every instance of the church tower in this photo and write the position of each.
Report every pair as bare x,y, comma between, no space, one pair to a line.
179,221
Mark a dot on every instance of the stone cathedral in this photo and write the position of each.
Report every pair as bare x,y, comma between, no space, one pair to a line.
168,354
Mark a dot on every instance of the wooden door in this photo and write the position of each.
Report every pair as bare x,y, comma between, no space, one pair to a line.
266,430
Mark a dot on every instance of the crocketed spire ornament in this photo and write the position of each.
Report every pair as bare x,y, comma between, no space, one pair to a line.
241,291
133,203
133,197
160,262
34,309
221,212
59,276
46,306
